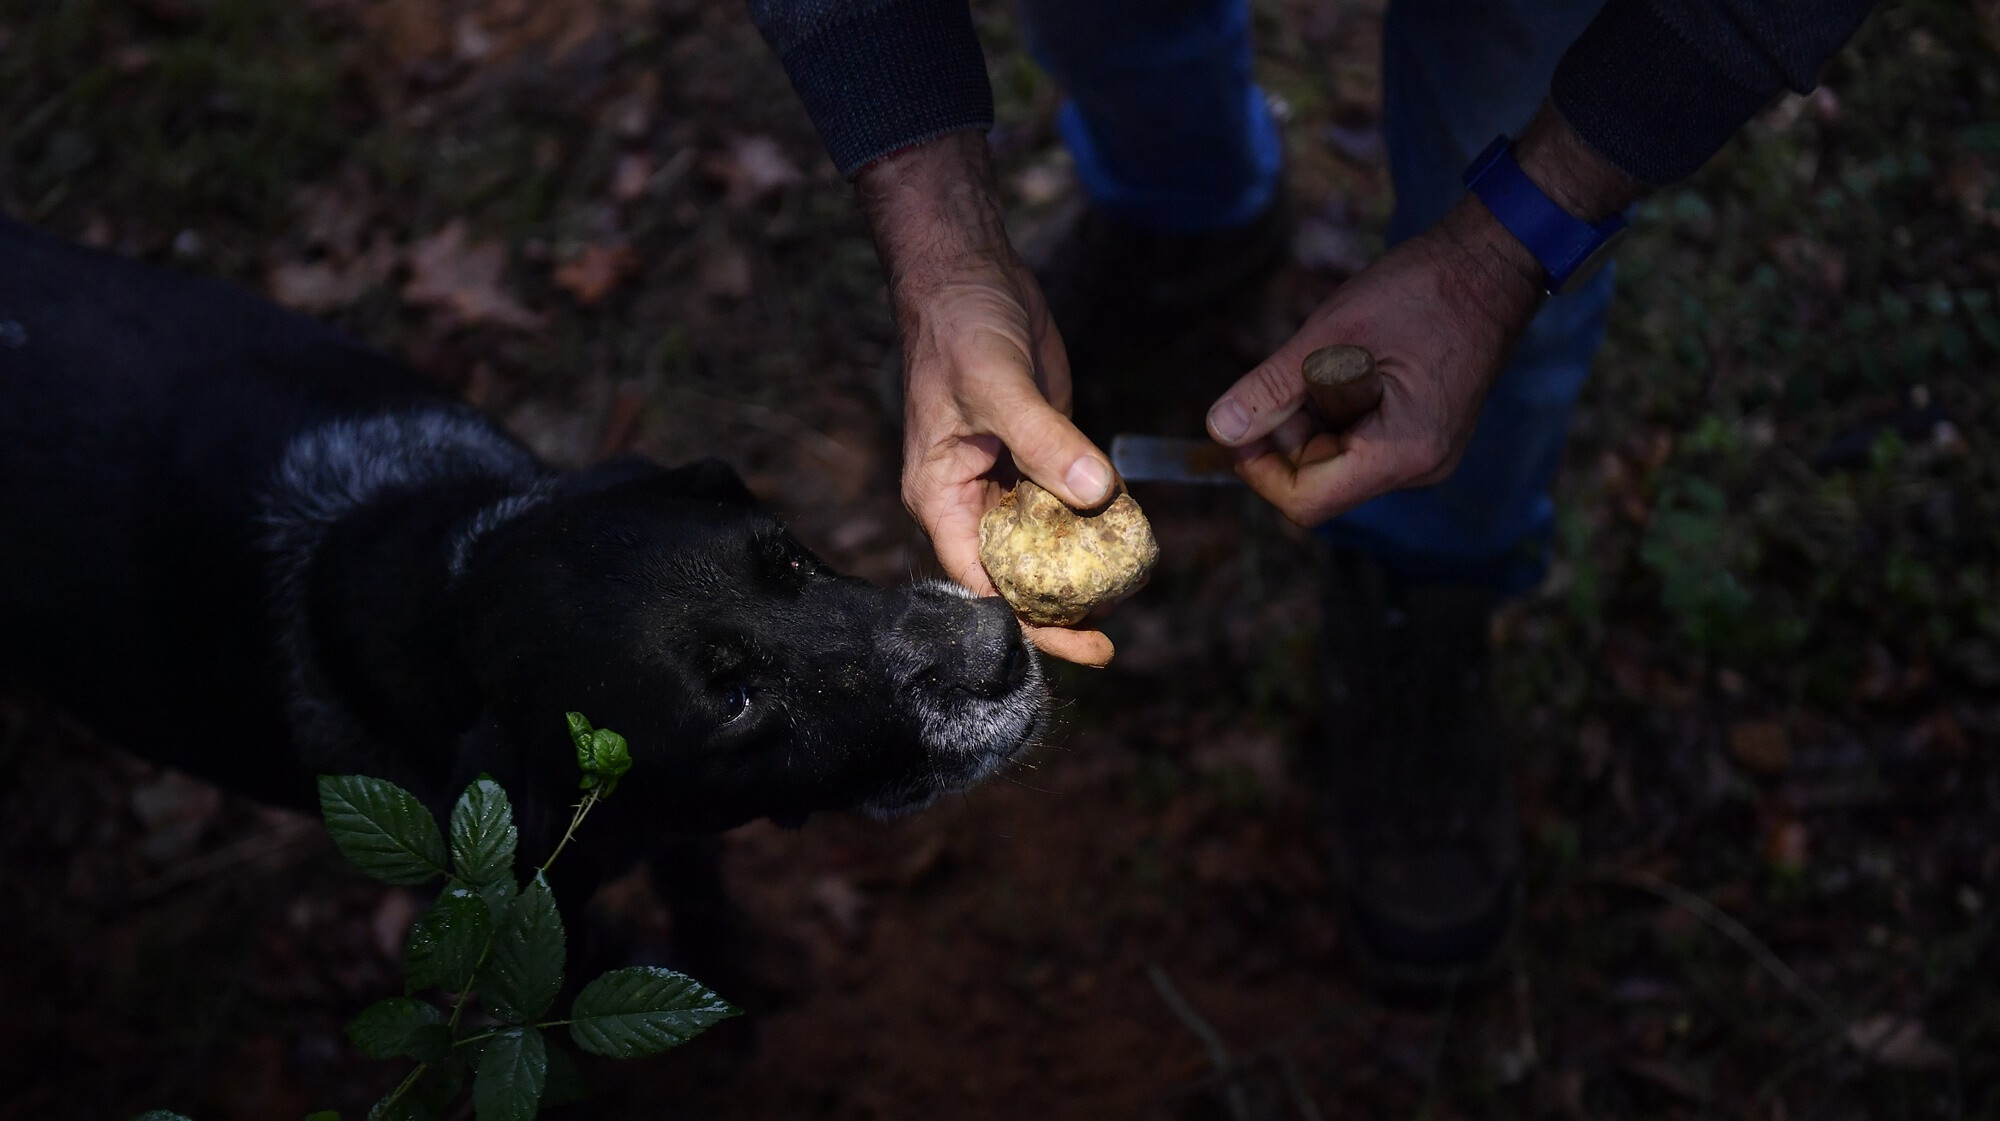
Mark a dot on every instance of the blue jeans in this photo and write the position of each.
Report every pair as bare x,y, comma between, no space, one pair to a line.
1169,133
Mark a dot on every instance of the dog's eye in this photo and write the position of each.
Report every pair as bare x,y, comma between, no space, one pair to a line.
736,703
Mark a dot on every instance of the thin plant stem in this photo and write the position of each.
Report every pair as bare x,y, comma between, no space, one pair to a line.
575,820
396,1094
1735,931
1211,1040
508,1028
465,994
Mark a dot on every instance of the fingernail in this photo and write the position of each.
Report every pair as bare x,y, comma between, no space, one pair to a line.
1228,420
1089,478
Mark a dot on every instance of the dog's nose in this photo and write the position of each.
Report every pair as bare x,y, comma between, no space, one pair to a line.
969,645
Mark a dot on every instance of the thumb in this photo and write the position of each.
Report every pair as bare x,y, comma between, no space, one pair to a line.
1259,402
1049,449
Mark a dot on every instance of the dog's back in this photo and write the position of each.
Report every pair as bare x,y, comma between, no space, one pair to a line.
141,413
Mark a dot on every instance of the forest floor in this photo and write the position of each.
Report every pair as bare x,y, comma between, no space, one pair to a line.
1756,705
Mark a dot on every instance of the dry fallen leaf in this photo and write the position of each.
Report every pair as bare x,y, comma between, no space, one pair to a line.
334,214
314,286
1047,180
629,178
752,167
319,287
723,270
176,810
463,278
408,30
1762,746
1897,1041
1786,843
469,40
1321,246
846,909
596,271
1260,754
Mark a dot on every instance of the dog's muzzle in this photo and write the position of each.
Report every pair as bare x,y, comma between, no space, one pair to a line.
967,676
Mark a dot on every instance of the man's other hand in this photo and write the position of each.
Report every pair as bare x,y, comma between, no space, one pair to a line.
1440,313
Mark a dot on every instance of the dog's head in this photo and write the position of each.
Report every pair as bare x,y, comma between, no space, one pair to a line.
749,678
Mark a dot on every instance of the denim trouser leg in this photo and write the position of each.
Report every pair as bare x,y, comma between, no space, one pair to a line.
1167,130
1169,133
1455,74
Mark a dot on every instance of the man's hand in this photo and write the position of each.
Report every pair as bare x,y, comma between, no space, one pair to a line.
985,380
1439,312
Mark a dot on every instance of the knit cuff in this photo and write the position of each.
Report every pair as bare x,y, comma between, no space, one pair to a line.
1640,94
890,78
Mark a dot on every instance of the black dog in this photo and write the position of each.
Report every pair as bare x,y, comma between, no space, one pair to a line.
239,543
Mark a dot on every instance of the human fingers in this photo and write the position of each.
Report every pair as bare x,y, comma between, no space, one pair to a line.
954,534
1259,402
1326,476
1085,648
1044,445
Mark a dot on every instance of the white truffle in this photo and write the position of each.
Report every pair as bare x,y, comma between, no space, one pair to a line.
1053,564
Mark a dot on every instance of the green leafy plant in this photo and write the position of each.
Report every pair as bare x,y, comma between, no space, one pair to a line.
497,946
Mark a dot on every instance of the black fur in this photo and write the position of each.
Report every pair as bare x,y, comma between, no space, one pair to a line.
237,542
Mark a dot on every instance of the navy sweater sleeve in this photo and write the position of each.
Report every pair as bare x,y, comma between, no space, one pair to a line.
880,75
1658,86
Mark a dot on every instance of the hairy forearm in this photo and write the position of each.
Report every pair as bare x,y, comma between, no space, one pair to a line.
1482,269
934,210
1495,272
1570,171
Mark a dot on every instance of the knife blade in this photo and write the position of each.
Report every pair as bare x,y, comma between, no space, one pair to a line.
1172,459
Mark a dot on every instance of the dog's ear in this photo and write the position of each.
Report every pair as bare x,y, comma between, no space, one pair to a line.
711,479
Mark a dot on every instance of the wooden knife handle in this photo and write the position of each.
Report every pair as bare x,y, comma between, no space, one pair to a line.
1343,383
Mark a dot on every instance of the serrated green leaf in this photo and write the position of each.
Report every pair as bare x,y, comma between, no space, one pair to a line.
609,760
498,895
600,752
610,756
382,828
392,1028
525,970
483,834
324,1115
643,1010
565,1084
579,731
447,942
512,1071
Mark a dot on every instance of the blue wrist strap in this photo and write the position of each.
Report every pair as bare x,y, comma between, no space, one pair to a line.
1561,241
